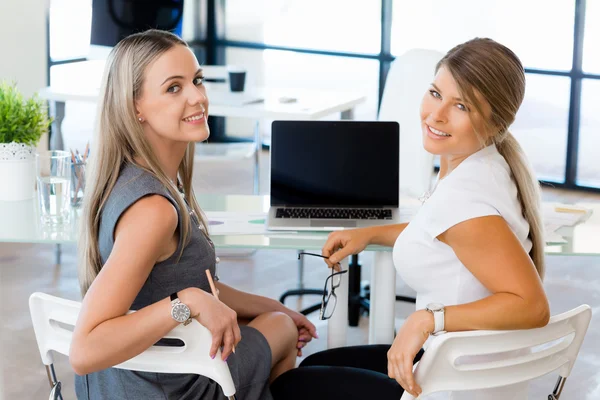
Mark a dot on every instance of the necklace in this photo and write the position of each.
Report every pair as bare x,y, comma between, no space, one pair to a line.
196,221
428,193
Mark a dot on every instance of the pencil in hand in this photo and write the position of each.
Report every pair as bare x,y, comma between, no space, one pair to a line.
215,293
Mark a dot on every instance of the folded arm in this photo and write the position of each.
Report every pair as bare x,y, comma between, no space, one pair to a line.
488,248
105,335
492,253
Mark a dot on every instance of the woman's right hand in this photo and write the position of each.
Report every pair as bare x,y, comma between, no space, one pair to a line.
215,316
341,244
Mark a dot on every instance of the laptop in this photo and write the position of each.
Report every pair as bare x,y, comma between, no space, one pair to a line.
333,175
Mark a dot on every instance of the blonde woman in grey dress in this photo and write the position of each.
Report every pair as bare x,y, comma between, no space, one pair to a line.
145,242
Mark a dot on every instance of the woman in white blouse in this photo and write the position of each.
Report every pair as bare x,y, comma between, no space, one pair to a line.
474,253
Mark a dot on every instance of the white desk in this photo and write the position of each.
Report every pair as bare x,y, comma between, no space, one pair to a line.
20,223
81,81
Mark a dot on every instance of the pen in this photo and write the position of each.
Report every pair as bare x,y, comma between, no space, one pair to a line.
572,210
215,293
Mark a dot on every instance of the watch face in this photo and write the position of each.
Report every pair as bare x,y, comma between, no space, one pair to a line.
435,306
180,312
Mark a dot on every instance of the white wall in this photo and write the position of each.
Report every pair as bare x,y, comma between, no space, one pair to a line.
23,44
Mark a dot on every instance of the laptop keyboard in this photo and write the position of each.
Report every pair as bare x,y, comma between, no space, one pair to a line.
334,213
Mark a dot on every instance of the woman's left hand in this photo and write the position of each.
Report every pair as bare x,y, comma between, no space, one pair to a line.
409,340
306,329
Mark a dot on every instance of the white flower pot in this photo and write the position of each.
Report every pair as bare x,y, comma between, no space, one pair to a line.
17,172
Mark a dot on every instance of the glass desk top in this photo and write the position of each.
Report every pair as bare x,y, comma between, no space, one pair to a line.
20,223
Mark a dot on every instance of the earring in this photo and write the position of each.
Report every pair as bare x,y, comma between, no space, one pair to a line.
141,119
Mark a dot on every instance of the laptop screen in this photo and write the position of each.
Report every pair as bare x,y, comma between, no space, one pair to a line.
334,163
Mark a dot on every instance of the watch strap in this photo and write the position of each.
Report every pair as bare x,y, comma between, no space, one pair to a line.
438,318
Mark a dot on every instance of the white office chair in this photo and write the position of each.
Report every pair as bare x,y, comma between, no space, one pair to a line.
552,347
407,81
54,320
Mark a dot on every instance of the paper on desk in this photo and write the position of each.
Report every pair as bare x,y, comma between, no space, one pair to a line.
552,217
550,235
236,223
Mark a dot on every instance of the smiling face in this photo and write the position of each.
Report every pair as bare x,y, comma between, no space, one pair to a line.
449,123
173,105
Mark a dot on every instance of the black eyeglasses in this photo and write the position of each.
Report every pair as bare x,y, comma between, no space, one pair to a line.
332,282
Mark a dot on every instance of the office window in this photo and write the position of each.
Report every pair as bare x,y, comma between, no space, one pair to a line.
289,70
588,172
70,27
541,125
337,25
540,34
591,38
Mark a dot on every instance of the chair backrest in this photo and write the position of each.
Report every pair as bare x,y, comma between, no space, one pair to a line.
54,320
406,84
542,350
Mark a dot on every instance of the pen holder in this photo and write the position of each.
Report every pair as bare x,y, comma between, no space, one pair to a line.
77,183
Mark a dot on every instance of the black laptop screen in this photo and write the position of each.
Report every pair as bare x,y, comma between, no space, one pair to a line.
334,163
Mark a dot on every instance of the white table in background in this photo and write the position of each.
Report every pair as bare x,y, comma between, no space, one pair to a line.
81,81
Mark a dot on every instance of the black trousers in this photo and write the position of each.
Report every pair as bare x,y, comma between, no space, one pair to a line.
345,373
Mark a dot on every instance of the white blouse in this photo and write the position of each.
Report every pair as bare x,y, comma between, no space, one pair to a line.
481,185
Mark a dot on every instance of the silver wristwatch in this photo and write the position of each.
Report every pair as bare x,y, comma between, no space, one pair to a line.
179,311
438,311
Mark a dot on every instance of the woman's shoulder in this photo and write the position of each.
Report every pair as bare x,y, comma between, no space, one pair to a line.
133,178
153,211
486,174
133,184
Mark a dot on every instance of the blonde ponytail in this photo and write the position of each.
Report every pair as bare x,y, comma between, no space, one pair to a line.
528,192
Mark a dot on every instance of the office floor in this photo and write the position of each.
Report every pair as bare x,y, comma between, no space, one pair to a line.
25,268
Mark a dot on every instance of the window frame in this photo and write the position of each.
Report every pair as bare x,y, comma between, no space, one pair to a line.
211,15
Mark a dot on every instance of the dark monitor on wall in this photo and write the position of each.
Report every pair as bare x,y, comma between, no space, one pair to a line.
112,20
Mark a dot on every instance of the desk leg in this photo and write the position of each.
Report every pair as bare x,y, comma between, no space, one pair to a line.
383,299
57,110
337,324
258,144
57,254
348,114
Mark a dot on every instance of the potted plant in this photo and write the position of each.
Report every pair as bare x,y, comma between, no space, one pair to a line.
22,124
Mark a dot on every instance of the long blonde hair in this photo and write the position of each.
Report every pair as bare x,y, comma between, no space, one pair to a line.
496,73
119,138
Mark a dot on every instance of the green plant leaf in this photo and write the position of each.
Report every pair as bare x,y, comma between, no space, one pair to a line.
21,120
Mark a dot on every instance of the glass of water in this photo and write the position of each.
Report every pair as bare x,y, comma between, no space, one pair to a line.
53,185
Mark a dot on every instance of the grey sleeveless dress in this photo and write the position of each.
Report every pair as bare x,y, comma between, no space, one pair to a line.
251,364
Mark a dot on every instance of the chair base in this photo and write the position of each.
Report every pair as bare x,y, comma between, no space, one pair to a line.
359,298
560,383
55,392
